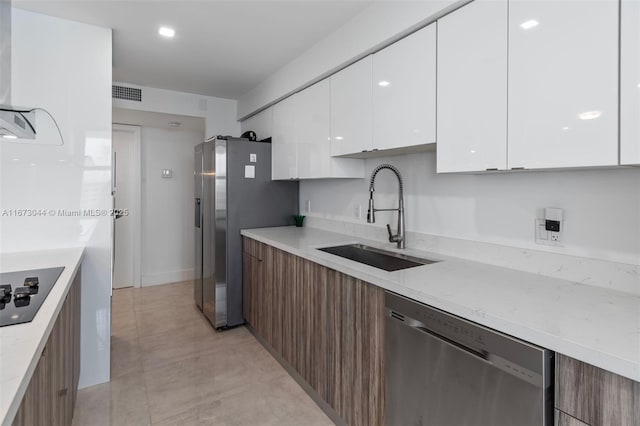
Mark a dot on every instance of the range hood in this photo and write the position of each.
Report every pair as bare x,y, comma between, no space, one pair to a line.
18,124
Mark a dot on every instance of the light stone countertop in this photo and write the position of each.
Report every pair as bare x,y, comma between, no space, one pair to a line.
22,344
592,324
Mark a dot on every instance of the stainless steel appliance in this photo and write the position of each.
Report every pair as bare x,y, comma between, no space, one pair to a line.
443,370
23,292
233,190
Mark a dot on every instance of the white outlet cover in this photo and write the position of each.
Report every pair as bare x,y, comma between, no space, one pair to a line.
253,158
249,172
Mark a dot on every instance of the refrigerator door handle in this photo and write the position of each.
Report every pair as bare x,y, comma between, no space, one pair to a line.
197,210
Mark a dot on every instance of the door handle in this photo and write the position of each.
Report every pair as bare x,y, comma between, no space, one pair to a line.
197,213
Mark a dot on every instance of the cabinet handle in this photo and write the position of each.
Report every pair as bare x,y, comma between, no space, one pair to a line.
517,168
493,169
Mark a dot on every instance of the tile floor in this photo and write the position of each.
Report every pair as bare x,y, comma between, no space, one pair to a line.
169,367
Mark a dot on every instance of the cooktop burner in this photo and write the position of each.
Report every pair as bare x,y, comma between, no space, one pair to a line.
23,292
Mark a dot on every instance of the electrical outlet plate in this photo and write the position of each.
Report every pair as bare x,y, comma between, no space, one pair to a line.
548,238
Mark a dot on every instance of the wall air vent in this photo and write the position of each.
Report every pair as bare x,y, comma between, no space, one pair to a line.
126,93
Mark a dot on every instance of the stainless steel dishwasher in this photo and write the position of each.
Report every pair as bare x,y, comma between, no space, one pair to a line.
442,370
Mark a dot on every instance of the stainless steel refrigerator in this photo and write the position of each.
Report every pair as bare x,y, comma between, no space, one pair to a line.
233,190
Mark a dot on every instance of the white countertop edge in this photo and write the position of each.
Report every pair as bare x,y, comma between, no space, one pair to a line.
610,362
13,388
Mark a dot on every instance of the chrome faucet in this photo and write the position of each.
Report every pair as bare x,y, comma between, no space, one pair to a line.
399,237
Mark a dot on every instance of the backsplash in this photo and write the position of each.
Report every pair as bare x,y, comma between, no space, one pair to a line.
490,217
599,273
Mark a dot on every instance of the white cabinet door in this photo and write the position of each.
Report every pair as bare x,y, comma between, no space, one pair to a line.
351,102
313,127
472,88
283,142
404,91
261,123
563,79
630,82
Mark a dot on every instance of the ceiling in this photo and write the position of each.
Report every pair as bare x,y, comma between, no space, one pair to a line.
221,48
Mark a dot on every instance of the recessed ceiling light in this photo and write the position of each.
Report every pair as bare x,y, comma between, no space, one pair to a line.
383,83
166,32
10,136
531,23
338,138
565,128
589,115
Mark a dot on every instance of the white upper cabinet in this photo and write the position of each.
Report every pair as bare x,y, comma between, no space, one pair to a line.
351,103
301,145
313,131
284,148
630,82
563,80
472,88
404,91
261,123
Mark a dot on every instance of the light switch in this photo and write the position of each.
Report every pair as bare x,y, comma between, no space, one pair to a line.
250,172
166,173
253,158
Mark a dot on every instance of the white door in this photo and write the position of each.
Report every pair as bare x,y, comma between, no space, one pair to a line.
472,88
404,91
124,143
563,84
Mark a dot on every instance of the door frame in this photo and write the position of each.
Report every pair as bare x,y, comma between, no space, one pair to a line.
136,216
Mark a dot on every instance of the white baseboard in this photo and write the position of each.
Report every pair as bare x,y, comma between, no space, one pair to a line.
167,277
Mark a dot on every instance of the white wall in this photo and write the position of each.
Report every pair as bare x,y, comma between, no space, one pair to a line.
371,29
602,207
167,205
65,67
219,113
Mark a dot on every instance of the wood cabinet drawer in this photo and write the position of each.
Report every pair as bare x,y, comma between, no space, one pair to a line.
595,396
563,419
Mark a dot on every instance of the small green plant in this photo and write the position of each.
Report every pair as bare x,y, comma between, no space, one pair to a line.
299,219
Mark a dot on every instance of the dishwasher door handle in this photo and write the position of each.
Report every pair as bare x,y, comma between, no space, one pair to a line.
419,326
496,361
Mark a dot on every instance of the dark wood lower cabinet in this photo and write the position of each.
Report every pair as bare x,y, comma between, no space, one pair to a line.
594,396
328,326
51,394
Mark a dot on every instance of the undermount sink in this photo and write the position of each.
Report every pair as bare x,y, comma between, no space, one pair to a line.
382,259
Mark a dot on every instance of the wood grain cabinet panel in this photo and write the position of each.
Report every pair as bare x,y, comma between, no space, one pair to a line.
595,396
328,326
51,394
563,419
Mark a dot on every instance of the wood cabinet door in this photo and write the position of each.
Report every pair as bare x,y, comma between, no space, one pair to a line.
595,396
36,406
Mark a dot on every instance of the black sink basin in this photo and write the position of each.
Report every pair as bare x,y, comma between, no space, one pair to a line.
386,260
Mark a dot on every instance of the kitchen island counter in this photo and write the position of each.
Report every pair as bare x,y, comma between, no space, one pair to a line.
22,344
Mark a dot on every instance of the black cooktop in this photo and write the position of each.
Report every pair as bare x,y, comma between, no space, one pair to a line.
23,292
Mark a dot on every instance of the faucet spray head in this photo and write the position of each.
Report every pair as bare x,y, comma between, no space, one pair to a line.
371,212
